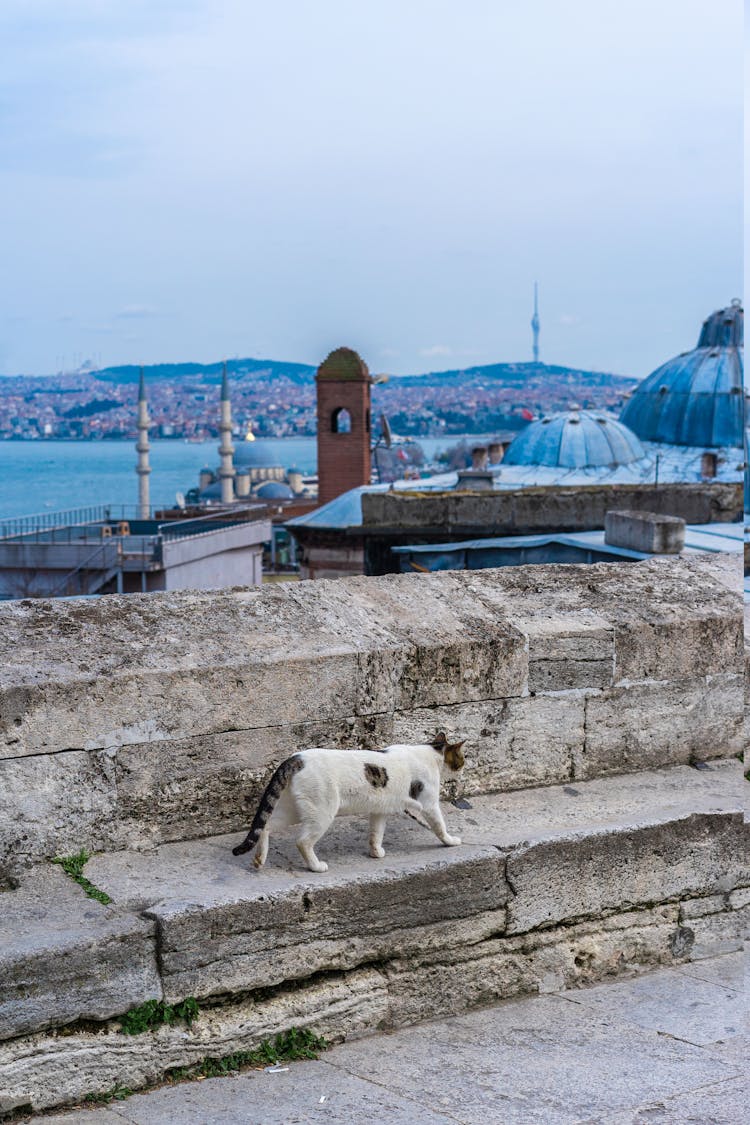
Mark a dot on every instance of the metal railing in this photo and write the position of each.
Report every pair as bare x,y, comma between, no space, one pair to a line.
41,523
104,549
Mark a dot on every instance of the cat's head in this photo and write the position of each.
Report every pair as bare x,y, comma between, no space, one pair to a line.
453,755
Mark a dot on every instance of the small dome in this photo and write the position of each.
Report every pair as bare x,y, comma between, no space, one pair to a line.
274,490
255,455
344,364
575,439
696,399
213,492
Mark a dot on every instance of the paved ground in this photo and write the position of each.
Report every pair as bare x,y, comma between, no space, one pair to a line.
667,1047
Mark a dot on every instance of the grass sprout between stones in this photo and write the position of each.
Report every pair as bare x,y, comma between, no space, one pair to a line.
289,1046
116,1094
73,866
155,1013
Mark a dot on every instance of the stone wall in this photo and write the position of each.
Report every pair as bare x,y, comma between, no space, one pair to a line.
129,721
527,511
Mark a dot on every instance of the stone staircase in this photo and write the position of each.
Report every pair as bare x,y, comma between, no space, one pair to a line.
601,810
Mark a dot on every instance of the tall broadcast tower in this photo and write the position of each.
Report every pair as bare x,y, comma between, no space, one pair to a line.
535,325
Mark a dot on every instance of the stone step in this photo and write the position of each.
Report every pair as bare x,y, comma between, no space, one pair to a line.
142,721
550,887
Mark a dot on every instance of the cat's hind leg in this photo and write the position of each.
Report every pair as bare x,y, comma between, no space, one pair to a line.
261,851
310,833
377,828
434,818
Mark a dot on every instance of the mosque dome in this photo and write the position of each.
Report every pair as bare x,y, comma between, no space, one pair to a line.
255,454
274,490
696,399
575,439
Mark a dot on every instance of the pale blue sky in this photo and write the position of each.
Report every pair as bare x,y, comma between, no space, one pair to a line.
187,179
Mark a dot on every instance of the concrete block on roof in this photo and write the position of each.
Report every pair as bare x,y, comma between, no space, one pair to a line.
65,957
644,531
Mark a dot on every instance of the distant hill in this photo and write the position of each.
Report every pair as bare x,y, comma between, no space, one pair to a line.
266,370
512,372
208,372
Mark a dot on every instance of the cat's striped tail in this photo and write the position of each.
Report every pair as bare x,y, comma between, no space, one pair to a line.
273,791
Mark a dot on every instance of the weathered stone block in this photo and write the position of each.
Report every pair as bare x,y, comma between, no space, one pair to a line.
50,1070
678,645
212,783
602,871
434,985
510,743
640,726
65,957
269,936
567,653
54,805
712,932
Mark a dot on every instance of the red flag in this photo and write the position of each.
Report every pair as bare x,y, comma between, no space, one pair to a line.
527,415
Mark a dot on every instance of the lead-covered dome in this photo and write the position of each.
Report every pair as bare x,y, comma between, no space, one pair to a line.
696,399
575,439
256,454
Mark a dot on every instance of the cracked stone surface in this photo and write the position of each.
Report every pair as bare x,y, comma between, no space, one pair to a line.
585,1057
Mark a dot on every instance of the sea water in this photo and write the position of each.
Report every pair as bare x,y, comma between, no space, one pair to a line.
47,476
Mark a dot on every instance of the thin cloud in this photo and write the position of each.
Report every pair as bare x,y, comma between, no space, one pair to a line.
436,350
135,312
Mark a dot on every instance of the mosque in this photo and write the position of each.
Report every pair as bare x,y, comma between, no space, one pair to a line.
248,471
683,424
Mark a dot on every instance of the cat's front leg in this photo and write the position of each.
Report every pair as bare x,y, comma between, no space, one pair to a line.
434,817
413,809
377,828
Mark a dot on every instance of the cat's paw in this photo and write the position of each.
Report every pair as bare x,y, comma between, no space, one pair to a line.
452,841
258,862
376,853
319,867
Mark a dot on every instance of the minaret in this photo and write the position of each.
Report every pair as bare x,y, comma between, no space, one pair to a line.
535,326
142,447
226,449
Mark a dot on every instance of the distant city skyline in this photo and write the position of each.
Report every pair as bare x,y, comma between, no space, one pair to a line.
187,179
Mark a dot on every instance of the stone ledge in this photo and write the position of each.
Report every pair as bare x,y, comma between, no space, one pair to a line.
65,957
530,859
571,852
47,1070
161,667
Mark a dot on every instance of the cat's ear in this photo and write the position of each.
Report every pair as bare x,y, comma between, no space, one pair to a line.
440,742
454,756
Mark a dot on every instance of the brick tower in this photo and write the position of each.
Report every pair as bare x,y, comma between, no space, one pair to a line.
343,384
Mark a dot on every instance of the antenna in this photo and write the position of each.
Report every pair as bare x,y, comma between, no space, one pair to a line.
535,324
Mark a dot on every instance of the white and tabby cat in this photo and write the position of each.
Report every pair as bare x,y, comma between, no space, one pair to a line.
314,786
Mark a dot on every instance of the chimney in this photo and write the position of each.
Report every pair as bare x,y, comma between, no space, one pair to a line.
479,457
709,464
